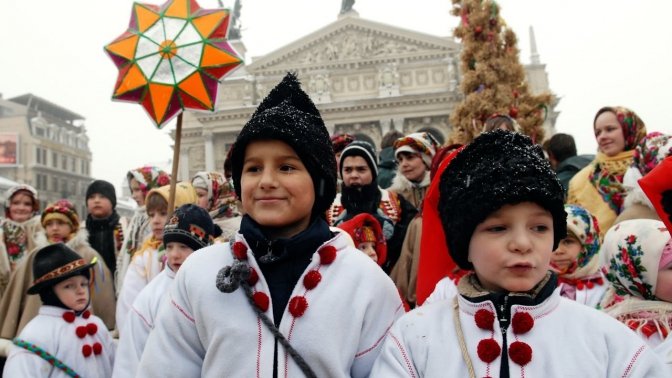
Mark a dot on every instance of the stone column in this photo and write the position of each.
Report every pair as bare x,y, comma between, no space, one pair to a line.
209,150
183,172
385,125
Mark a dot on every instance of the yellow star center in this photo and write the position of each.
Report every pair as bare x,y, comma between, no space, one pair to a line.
167,49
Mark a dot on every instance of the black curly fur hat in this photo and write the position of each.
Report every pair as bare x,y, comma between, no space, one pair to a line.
498,168
288,114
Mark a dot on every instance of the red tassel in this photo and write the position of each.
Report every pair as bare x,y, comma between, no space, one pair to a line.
240,251
520,353
254,277
298,306
311,279
91,329
69,316
87,350
522,322
261,300
485,319
97,349
648,329
81,332
327,255
488,350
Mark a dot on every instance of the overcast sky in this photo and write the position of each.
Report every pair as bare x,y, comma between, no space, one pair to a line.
597,52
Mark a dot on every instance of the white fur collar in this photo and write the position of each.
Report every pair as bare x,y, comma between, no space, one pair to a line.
80,240
401,183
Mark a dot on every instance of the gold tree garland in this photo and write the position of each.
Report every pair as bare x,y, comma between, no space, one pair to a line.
493,80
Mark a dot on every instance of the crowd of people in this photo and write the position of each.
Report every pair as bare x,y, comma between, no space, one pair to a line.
319,256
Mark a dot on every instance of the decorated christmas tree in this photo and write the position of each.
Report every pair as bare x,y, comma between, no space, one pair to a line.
493,79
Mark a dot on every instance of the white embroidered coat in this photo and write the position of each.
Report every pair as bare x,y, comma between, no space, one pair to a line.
204,332
52,333
568,339
140,322
144,267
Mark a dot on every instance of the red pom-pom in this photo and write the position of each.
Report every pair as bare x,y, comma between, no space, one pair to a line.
91,329
648,329
327,255
513,112
522,322
97,348
311,279
485,319
298,306
86,314
579,285
69,316
261,300
87,350
590,284
254,277
240,251
81,332
488,350
600,281
520,353
478,29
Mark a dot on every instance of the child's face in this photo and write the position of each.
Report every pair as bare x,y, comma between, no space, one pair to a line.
177,253
370,249
566,254
73,292
21,206
157,220
356,172
664,284
276,188
57,230
136,192
202,200
411,166
511,248
99,206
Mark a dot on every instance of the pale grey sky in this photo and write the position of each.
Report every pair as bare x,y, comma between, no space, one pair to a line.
597,52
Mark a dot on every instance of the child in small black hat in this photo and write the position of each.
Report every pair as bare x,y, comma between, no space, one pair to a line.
285,296
105,226
501,207
65,338
189,229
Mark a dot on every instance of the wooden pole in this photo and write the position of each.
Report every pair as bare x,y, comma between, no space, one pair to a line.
176,163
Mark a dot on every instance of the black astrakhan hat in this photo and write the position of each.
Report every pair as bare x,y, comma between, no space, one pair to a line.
190,225
498,168
365,150
55,263
288,114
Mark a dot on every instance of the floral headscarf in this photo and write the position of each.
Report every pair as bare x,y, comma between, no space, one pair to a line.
149,177
633,127
583,225
652,149
632,251
214,183
25,189
340,141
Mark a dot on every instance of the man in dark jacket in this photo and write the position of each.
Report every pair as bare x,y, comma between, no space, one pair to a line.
561,151
387,166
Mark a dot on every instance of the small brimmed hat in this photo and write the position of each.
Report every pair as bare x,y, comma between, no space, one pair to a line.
63,210
55,263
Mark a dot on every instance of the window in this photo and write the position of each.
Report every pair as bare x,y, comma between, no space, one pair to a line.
64,188
54,184
73,165
64,162
40,156
54,159
39,131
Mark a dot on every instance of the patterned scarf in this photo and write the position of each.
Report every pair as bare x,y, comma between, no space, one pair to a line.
607,178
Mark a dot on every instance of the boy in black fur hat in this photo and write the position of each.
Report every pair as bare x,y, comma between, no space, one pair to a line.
284,298
64,338
106,228
501,207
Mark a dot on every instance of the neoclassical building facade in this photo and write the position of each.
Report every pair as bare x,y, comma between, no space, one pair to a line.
365,77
